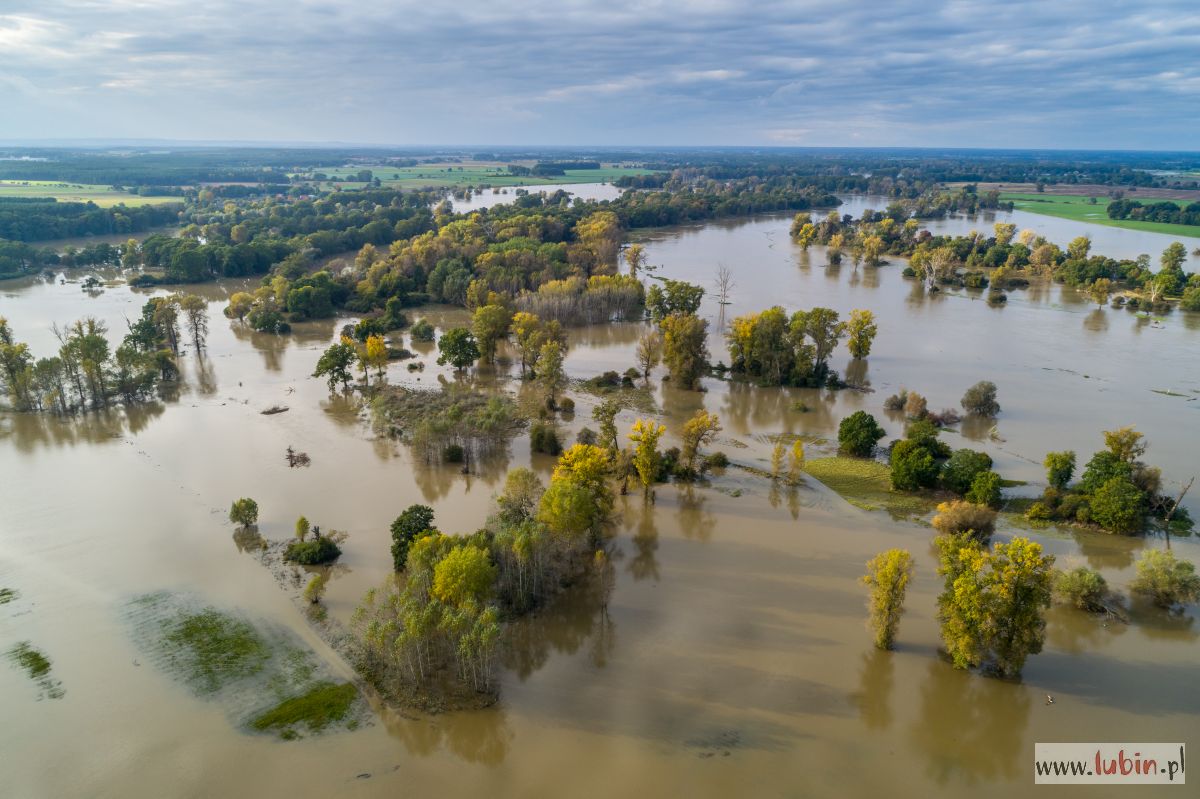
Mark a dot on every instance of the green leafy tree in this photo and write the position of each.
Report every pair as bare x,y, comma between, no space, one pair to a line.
888,575
605,415
858,434
985,490
336,365
1125,443
302,528
685,349
415,521
1082,587
673,298
457,347
962,468
646,458
1060,468
980,399
1019,593
490,325
465,575
1166,580
861,330
244,512
913,466
1119,506
551,377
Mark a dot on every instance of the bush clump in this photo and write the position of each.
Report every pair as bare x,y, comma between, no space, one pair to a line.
315,552
965,517
544,438
980,399
858,434
1082,587
1166,580
962,469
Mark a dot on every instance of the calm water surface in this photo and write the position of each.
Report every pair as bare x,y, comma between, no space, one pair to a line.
733,659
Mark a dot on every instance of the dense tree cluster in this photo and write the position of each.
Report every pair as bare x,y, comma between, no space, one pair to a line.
782,350
1116,490
38,219
87,373
1163,211
445,611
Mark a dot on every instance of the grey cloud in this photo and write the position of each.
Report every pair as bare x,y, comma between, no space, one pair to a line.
964,73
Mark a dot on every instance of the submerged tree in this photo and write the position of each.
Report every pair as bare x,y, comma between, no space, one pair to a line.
1166,580
244,512
685,349
698,431
888,575
646,458
861,330
335,365
457,347
649,352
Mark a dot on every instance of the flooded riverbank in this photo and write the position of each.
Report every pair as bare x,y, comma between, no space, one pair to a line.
733,656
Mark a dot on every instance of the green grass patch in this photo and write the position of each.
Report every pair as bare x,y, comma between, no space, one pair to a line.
8,595
213,648
37,667
451,176
1082,210
103,196
324,704
867,484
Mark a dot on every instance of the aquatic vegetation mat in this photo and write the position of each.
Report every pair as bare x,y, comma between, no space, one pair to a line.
37,667
8,595
867,484
263,675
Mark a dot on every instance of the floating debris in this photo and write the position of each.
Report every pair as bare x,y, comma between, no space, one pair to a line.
295,458
274,409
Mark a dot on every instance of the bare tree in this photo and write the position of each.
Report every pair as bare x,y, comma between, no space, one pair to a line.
725,284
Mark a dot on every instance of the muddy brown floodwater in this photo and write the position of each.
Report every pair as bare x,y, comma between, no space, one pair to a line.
733,658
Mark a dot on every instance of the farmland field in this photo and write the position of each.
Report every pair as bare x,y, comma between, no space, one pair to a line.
452,175
1081,209
103,196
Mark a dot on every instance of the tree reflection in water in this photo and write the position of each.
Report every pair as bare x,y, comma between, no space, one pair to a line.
874,697
482,737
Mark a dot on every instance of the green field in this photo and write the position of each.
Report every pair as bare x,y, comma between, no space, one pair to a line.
103,196
469,174
1080,209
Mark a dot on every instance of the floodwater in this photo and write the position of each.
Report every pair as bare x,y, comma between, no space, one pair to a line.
733,658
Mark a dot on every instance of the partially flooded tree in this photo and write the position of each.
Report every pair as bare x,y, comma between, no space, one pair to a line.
605,415
888,575
646,458
244,512
1166,580
685,349
490,326
551,377
698,431
649,352
336,364
980,399
195,313
861,330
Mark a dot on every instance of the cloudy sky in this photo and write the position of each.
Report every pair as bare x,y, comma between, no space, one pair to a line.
1048,73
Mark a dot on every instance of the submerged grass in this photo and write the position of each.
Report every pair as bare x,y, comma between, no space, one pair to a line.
8,595
213,648
37,667
867,484
324,704
262,675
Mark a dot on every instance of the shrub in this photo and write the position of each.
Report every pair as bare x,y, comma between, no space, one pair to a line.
962,468
587,436
244,511
858,433
566,405
422,331
1060,467
1039,512
544,438
915,406
318,551
965,517
1166,580
716,460
1082,587
985,489
925,433
454,453
1119,506
913,466
980,399
896,401
1075,507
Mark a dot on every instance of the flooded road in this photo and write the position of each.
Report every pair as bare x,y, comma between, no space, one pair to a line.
733,658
